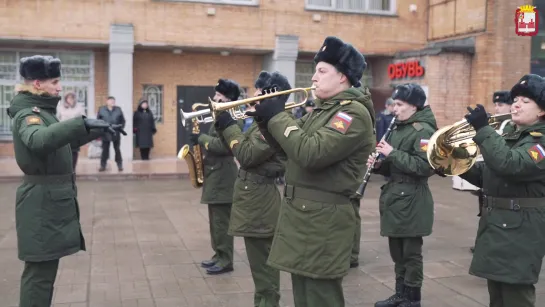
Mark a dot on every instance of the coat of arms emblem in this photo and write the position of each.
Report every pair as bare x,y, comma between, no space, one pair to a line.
526,20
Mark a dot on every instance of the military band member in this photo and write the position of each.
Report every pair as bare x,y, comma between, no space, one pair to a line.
220,172
46,209
406,203
502,104
326,152
510,242
256,199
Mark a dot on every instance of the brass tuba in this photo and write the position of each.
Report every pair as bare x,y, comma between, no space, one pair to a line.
194,159
451,149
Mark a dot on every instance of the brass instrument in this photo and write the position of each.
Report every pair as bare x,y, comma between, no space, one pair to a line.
450,148
194,159
233,107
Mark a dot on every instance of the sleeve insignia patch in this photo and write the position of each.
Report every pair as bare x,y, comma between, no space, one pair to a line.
537,153
536,134
340,122
289,129
424,144
232,144
206,145
33,120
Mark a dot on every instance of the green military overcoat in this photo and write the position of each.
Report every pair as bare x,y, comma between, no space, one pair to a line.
220,169
256,199
327,152
510,243
46,209
406,203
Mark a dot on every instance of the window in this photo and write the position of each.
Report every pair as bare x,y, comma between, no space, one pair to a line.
367,78
386,7
303,78
77,77
154,95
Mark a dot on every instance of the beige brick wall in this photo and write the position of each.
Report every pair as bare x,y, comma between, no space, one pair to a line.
172,70
187,24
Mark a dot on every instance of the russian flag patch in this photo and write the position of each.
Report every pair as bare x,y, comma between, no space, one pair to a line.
340,122
537,153
424,144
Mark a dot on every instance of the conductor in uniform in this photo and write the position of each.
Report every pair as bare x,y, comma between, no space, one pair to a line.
46,209
327,152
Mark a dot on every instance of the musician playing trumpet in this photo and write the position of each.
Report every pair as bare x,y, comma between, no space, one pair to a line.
510,242
256,198
406,203
220,172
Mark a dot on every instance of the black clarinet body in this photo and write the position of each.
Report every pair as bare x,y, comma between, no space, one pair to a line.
367,175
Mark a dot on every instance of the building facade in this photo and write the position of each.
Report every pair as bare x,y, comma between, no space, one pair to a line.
173,52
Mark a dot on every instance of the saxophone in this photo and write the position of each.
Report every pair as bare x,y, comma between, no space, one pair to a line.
194,159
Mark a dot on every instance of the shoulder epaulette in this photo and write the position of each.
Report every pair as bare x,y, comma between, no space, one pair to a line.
417,126
345,102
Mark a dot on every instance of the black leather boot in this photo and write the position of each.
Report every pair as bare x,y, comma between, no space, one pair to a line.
396,299
413,296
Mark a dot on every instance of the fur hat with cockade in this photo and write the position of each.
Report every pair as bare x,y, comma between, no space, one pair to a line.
40,67
503,97
344,57
530,86
228,88
411,93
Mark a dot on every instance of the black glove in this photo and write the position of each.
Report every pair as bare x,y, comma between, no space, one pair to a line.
477,117
194,139
91,123
268,108
440,172
224,120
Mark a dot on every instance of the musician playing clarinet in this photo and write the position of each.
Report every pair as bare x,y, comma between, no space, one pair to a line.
406,203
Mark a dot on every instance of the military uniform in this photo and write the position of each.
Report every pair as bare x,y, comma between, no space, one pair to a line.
327,152
406,203
505,128
46,209
220,173
256,199
510,243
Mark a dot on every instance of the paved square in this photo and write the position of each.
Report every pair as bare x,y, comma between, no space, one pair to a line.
146,239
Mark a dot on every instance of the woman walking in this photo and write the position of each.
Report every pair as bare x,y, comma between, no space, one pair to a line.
144,128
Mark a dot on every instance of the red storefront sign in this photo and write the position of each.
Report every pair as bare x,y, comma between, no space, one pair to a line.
410,69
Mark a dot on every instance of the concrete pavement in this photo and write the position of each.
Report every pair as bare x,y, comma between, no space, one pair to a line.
146,239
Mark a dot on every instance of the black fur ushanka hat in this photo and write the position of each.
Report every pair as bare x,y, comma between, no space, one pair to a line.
344,57
530,86
411,93
228,88
40,67
503,97
263,79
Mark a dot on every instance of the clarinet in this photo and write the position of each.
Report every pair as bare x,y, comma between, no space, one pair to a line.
385,137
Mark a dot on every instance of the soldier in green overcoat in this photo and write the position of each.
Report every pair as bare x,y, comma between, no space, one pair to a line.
256,199
510,242
46,205
406,203
502,105
326,151
220,172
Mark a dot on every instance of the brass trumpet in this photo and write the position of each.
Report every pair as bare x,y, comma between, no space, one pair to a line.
449,149
234,107
200,113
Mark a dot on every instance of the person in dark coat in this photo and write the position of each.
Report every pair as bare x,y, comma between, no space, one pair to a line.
144,128
113,115
384,118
